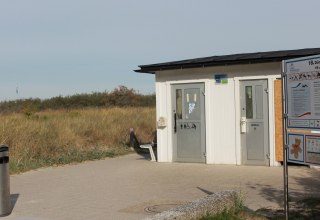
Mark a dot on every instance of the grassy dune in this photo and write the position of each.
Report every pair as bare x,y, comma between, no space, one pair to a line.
66,136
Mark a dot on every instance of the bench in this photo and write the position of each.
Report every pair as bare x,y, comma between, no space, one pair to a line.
149,146
135,143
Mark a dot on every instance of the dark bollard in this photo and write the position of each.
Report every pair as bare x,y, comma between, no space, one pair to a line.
5,203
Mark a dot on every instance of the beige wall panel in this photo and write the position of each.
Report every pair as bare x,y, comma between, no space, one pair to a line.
278,120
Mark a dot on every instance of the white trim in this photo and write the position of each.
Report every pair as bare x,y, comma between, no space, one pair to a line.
170,123
241,78
187,81
271,121
209,123
237,121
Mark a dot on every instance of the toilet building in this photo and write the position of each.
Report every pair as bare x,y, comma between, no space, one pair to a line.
221,109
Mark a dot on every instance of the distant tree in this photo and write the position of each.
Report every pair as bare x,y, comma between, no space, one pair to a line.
122,96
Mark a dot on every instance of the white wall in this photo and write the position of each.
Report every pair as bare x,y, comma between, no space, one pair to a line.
222,131
222,108
162,133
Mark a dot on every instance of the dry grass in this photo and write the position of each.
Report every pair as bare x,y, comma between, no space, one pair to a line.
66,136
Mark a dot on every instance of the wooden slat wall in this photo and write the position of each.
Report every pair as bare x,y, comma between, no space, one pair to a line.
278,118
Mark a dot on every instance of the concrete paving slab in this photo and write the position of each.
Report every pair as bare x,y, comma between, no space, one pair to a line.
129,187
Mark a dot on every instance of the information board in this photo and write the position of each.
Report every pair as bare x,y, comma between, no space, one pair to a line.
301,78
312,149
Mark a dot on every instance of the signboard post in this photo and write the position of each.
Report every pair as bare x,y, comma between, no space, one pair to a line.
301,114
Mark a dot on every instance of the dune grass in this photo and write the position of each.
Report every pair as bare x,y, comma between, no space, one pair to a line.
65,136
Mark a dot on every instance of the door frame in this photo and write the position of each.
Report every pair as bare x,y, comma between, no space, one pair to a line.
204,126
270,79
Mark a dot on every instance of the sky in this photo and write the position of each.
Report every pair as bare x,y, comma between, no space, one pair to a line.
54,48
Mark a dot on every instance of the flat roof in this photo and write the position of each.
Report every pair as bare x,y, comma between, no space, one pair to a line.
244,58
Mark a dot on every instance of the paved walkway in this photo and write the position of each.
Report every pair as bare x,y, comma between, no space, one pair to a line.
132,187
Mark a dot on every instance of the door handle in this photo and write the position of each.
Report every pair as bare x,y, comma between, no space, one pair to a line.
243,125
175,123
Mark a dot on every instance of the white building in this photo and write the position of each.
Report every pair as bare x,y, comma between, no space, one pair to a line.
220,109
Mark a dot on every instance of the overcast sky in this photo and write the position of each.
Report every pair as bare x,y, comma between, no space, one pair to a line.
63,47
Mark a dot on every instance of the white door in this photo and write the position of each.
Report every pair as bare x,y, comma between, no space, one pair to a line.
254,122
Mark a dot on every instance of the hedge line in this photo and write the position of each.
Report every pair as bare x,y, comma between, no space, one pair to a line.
120,97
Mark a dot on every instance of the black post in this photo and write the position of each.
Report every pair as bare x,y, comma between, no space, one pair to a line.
285,149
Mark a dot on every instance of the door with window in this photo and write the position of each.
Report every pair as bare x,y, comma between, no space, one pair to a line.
188,115
254,122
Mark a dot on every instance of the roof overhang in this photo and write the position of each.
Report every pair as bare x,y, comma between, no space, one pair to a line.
246,58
